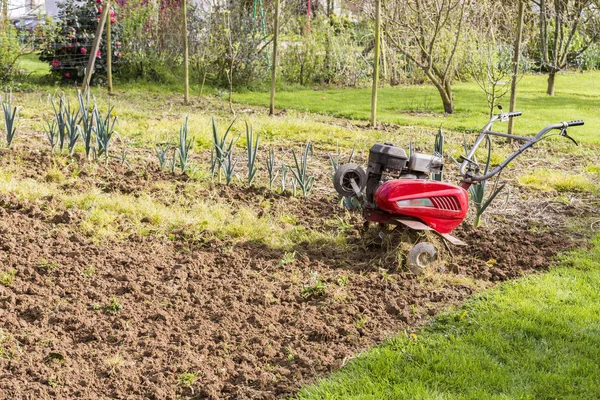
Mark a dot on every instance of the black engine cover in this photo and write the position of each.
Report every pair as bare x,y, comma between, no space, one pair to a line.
386,157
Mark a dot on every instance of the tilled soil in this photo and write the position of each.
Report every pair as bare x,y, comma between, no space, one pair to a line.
127,320
183,317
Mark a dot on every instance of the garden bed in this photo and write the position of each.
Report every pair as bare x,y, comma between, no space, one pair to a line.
193,313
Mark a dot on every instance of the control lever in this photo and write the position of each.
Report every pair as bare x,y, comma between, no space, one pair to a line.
463,158
564,133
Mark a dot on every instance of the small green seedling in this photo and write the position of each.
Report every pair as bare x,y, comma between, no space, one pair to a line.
7,277
113,307
288,258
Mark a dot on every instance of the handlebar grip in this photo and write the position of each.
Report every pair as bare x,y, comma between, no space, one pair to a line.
576,123
515,114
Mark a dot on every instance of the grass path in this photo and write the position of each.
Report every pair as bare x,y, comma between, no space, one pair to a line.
534,338
576,97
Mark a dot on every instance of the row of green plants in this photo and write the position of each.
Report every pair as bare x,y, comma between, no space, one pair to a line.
86,124
175,155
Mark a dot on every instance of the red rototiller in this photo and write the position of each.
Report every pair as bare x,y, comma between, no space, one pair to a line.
397,189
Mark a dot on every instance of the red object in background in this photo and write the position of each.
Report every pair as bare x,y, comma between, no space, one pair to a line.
441,206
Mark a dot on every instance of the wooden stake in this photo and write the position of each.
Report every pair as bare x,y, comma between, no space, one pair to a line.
186,66
274,65
376,63
95,47
516,56
109,49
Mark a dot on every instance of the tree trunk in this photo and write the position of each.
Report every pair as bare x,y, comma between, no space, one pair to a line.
551,83
377,55
186,52
274,65
109,50
447,99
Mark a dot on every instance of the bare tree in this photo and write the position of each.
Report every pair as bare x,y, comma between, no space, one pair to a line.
559,22
428,33
490,57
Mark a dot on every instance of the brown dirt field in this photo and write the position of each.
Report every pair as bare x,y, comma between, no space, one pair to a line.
125,319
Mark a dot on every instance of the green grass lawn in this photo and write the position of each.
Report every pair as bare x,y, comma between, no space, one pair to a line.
534,338
577,97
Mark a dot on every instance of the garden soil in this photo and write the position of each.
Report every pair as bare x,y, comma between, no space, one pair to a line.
165,318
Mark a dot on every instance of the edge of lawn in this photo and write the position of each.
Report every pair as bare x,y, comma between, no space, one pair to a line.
535,337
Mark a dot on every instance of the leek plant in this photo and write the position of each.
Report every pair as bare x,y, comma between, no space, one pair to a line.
438,150
51,134
252,148
59,117
183,150
218,153
87,122
228,162
71,120
162,152
105,130
284,169
11,116
299,169
271,167
335,162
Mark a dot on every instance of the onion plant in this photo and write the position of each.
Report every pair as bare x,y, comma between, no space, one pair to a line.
478,192
87,122
11,116
438,150
299,169
252,148
105,130
271,167
183,150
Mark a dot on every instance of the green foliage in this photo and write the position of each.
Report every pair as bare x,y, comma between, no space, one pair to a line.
10,51
317,288
288,258
66,45
187,379
7,277
113,306
332,52
11,116
534,338
300,171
